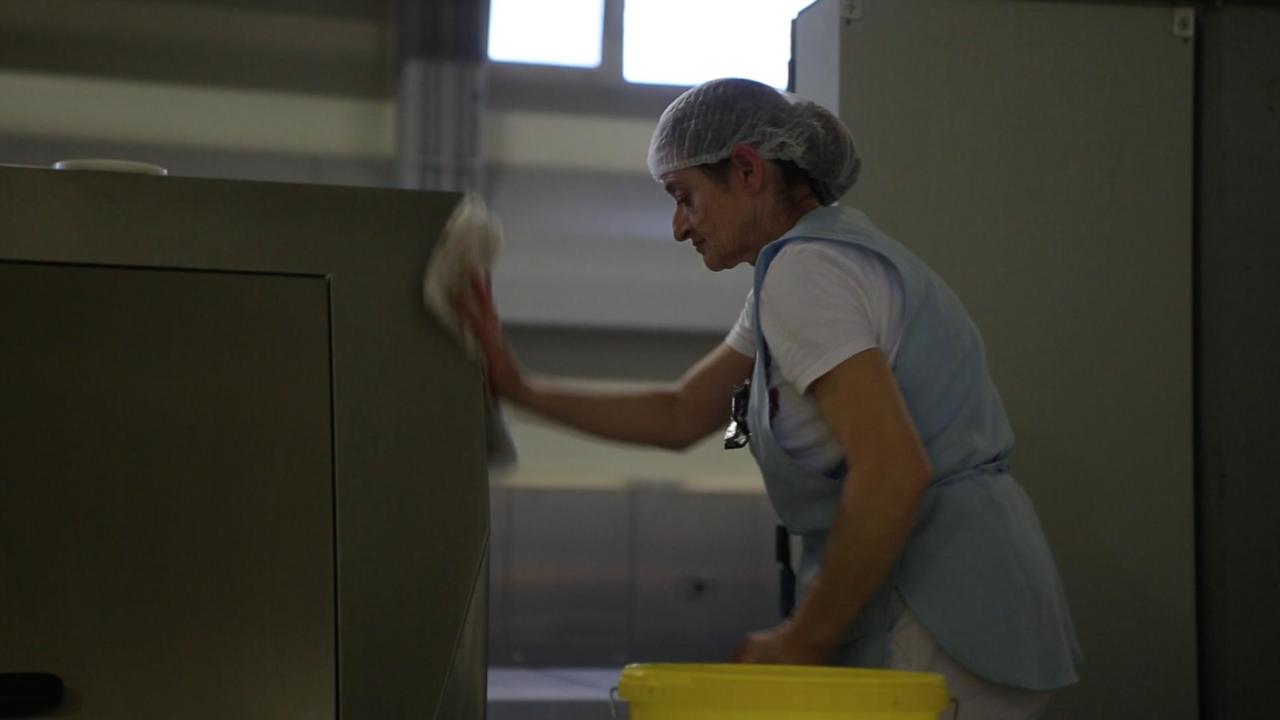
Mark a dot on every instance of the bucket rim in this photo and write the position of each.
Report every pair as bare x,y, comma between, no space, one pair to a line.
793,687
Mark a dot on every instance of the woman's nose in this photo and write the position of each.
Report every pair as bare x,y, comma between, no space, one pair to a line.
680,225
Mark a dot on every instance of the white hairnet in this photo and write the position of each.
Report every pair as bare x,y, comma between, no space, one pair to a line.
704,124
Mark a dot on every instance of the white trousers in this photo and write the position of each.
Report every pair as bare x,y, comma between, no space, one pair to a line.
911,647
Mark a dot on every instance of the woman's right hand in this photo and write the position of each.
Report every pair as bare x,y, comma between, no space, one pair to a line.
475,307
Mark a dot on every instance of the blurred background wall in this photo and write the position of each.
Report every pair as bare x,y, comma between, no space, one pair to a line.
309,92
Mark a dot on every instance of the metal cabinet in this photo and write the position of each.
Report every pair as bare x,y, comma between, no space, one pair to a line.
167,500
242,472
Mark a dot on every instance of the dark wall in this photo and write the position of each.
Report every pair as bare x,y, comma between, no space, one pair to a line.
1238,374
311,46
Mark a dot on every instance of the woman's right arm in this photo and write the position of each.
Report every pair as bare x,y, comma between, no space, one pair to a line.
672,416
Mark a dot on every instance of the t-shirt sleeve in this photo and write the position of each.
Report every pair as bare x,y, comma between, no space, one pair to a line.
742,337
815,311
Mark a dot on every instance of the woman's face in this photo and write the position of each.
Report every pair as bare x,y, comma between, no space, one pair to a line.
718,218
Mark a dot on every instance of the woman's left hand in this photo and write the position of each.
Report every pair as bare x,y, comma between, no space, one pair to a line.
779,645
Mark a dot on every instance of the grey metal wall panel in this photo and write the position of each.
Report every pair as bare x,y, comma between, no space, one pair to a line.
569,592
704,574
166,490
1038,156
641,574
1239,340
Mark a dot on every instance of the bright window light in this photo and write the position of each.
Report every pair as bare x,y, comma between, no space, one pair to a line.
685,42
546,32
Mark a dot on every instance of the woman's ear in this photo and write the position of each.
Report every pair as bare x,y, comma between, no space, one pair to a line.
747,166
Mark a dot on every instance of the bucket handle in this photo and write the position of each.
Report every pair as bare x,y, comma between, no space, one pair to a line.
955,701
613,698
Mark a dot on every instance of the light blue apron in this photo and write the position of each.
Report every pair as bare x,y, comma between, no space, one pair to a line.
976,569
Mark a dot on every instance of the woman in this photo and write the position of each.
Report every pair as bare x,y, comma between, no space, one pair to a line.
871,414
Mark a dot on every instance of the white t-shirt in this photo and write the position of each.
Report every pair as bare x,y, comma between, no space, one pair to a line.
822,303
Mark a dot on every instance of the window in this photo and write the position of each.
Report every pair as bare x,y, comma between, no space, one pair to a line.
685,42
546,32
664,42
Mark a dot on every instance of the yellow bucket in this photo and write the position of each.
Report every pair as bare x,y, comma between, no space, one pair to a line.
773,692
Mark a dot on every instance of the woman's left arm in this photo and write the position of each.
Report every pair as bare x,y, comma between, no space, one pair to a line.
888,473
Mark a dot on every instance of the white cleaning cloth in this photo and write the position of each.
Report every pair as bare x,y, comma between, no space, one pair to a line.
468,245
